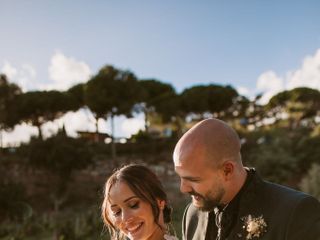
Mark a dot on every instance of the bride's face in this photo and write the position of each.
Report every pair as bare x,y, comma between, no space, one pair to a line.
130,214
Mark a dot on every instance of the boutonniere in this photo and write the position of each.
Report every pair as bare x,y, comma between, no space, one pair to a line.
254,226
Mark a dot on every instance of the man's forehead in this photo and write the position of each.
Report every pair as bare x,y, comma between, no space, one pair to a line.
190,174
177,158
188,164
182,172
189,154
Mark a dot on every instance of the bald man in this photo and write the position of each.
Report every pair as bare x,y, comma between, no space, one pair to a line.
230,201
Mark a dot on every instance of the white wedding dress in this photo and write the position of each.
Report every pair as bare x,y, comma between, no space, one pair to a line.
170,237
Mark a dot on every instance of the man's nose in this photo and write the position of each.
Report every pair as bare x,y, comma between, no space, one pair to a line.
185,187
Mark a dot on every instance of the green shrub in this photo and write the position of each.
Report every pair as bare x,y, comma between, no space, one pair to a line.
311,182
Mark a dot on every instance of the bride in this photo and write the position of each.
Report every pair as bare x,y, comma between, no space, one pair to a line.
135,205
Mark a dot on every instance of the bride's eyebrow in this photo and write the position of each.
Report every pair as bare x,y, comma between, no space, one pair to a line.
126,200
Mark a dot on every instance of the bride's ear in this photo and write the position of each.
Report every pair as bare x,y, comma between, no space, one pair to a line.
161,204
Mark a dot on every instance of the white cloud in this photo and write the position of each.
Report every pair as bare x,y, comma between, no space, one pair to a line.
66,71
63,72
81,120
9,70
123,126
132,126
20,133
243,91
24,76
269,81
308,75
249,93
270,84
27,78
28,69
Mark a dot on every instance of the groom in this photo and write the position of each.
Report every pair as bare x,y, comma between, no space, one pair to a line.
230,201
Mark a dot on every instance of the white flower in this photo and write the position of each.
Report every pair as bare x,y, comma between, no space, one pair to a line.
255,227
252,226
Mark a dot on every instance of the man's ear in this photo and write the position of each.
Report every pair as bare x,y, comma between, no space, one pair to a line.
228,169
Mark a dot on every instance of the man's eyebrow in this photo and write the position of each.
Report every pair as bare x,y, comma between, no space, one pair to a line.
126,200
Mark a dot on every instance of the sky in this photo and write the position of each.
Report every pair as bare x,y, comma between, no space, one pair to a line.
253,45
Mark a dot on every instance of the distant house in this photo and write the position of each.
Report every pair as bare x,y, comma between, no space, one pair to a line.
94,136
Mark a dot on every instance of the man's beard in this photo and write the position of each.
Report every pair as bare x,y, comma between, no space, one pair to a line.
208,201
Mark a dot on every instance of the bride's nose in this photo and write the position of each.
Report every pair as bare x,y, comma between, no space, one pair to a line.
126,217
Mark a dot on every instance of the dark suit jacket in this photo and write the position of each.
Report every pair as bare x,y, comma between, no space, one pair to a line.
289,214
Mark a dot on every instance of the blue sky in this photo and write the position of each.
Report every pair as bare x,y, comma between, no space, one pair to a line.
255,46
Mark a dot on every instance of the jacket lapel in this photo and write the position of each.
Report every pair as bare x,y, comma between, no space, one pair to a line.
249,205
203,225
197,223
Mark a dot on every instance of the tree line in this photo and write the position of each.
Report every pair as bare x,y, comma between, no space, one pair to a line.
113,92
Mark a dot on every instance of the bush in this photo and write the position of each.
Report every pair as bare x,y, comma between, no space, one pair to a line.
13,203
311,182
271,153
308,152
59,154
